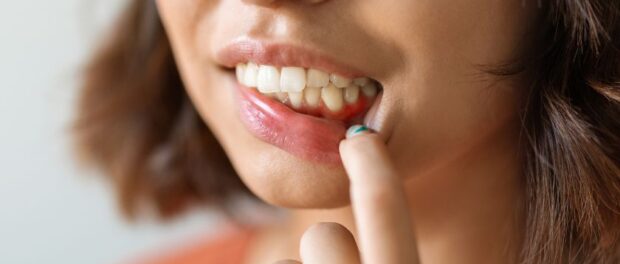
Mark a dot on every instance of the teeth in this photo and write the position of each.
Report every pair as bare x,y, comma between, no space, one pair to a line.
296,99
313,96
339,81
370,89
361,81
292,79
332,97
281,97
268,79
299,87
251,71
240,70
351,94
317,78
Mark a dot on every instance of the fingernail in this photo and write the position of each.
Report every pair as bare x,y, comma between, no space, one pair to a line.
355,130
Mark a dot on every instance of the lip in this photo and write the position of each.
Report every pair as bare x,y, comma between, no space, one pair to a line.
307,137
278,54
304,136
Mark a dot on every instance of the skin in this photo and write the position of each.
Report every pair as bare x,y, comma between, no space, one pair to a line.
443,162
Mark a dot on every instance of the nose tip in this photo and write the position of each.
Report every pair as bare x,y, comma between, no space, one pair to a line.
270,2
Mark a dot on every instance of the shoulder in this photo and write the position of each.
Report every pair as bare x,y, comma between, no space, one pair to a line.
228,247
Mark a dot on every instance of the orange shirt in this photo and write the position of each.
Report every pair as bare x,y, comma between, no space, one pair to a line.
228,248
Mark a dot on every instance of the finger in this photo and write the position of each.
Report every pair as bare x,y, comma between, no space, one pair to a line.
328,243
287,261
378,200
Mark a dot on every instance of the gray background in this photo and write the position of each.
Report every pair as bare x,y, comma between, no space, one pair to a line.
50,210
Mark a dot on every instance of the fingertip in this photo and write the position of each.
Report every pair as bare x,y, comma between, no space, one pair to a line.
365,157
355,130
360,141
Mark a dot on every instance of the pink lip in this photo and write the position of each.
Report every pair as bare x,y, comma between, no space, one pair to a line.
307,137
245,50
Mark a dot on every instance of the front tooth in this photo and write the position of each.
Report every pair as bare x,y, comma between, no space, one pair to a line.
312,96
361,81
281,97
296,99
351,93
370,89
240,70
317,78
268,79
251,72
332,97
292,79
339,81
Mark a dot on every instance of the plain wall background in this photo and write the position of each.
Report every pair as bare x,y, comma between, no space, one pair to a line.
50,211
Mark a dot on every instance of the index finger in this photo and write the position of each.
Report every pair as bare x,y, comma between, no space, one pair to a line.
378,200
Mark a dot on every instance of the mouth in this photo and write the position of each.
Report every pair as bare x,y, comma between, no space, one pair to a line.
298,100
310,91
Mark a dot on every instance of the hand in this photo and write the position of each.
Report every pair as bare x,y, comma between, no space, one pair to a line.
379,206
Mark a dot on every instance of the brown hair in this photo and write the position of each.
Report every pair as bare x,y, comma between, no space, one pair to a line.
136,122
571,123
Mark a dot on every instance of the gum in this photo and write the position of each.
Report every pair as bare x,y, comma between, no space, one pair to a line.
347,114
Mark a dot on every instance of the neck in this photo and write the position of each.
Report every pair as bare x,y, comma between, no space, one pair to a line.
466,212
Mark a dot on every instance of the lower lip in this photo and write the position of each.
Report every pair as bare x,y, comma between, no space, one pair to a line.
307,137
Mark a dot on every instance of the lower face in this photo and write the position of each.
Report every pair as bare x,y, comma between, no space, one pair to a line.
279,84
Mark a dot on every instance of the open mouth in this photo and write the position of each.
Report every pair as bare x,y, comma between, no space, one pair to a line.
297,99
311,91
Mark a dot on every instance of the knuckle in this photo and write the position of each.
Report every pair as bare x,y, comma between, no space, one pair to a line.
323,234
327,243
287,261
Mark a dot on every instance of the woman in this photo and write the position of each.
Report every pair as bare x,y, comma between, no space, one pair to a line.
493,126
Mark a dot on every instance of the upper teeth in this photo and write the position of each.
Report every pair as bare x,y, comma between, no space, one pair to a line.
294,84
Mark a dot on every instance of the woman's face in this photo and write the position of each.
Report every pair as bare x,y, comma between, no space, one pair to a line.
436,105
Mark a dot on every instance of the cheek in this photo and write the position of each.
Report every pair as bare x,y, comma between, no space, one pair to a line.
445,121
185,23
456,31
447,106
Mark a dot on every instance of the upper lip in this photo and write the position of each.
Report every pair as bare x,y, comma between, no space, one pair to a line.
281,54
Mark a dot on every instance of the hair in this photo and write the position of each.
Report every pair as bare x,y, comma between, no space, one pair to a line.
136,123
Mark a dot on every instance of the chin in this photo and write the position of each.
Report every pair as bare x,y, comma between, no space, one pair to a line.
283,180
